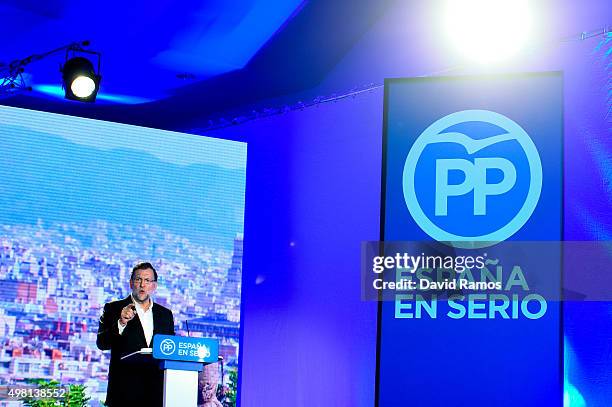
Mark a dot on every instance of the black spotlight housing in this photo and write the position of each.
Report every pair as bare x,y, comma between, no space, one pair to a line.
81,70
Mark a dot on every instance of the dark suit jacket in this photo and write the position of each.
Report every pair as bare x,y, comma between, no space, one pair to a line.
135,384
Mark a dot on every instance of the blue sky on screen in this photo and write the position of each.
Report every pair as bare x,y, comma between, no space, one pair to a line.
169,146
67,169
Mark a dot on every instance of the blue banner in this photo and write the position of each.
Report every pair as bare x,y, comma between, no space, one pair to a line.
185,349
473,161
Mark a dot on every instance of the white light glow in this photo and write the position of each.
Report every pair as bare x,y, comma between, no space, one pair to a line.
488,31
203,352
82,86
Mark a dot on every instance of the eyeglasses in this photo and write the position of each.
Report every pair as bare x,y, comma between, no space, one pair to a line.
139,280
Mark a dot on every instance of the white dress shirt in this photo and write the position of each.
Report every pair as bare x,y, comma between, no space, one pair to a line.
146,319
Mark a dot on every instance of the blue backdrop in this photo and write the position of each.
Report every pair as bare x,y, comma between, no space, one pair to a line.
473,362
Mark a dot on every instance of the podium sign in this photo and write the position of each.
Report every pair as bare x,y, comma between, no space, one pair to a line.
186,349
181,359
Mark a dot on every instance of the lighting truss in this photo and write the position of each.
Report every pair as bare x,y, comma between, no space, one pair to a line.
12,80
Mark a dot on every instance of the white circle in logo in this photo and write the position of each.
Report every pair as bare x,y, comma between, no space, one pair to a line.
433,134
167,346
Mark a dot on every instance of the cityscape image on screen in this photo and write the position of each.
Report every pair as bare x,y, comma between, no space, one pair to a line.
81,202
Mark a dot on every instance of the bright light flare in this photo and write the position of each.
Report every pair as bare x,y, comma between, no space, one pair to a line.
203,352
488,31
82,86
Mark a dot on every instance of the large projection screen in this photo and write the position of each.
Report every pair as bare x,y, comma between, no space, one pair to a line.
81,202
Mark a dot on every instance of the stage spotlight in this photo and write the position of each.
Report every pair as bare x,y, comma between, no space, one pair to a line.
80,80
488,31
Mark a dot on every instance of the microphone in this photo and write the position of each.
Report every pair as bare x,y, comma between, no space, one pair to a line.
220,359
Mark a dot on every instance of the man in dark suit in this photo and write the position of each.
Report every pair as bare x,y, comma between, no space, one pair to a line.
127,326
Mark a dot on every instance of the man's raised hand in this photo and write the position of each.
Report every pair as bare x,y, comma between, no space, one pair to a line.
127,314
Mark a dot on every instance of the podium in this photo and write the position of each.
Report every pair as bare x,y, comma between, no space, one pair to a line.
182,358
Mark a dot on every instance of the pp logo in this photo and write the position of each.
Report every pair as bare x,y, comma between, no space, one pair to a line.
474,175
167,346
